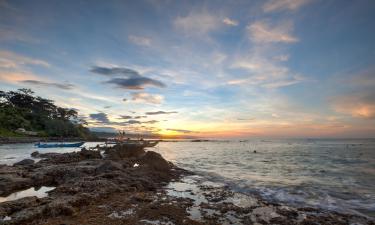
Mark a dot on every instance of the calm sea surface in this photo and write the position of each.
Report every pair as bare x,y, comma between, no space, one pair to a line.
330,174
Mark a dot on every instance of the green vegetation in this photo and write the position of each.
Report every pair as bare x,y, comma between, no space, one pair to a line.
22,109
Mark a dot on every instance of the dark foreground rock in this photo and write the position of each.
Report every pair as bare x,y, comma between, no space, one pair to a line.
128,186
24,162
81,178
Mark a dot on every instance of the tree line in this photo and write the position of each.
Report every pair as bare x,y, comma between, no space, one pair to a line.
22,109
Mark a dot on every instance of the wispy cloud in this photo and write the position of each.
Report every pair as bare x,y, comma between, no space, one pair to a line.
230,22
357,105
264,72
147,98
264,32
358,100
11,60
197,23
181,131
160,112
64,86
278,5
15,77
139,40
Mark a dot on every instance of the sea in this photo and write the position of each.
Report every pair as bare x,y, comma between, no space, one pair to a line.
329,174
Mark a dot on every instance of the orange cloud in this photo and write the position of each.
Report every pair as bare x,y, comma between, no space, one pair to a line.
15,77
359,106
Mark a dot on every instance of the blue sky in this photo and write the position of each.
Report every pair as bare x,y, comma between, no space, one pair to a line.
283,68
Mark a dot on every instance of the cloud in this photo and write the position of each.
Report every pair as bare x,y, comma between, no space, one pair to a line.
11,60
14,77
197,23
160,112
282,58
125,117
230,22
100,117
360,102
103,129
65,86
279,5
246,119
151,121
140,117
180,131
147,98
141,122
263,32
136,83
357,105
264,72
110,71
133,122
133,80
138,40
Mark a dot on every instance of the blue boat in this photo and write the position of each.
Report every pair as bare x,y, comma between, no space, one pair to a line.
60,145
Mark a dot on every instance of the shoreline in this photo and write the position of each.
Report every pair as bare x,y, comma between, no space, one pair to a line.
131,186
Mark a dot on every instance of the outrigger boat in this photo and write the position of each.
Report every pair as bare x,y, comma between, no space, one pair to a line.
122,140
142,143
59,145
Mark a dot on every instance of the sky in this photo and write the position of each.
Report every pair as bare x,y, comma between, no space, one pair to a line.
224,69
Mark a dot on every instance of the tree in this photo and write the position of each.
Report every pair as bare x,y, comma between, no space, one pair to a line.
21,109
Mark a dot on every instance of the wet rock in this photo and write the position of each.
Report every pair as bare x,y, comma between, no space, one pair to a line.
89,154
81,178
119,152
35,154
13,182
108,166
266,213
24,162
155,161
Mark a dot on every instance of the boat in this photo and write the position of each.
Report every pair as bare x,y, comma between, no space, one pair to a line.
151,143
142,143
59,145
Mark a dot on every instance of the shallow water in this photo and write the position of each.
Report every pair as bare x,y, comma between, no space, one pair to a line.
331,174
12,153
40,192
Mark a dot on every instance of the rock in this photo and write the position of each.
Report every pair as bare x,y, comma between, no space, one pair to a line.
155,161
24,162
90,154
108,166
266,213
118,152
35,154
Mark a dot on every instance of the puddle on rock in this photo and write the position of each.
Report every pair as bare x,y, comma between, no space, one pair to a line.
37,192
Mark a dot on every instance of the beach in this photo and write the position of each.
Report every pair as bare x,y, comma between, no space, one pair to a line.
133,186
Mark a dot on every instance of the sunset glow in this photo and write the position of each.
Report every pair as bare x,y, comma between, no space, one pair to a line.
299,68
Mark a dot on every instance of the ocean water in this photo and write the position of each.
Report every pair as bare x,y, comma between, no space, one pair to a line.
336,175
329,174
12,153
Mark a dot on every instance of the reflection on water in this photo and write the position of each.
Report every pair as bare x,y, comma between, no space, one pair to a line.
37,192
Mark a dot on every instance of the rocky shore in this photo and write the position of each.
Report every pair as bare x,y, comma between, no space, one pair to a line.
122,185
